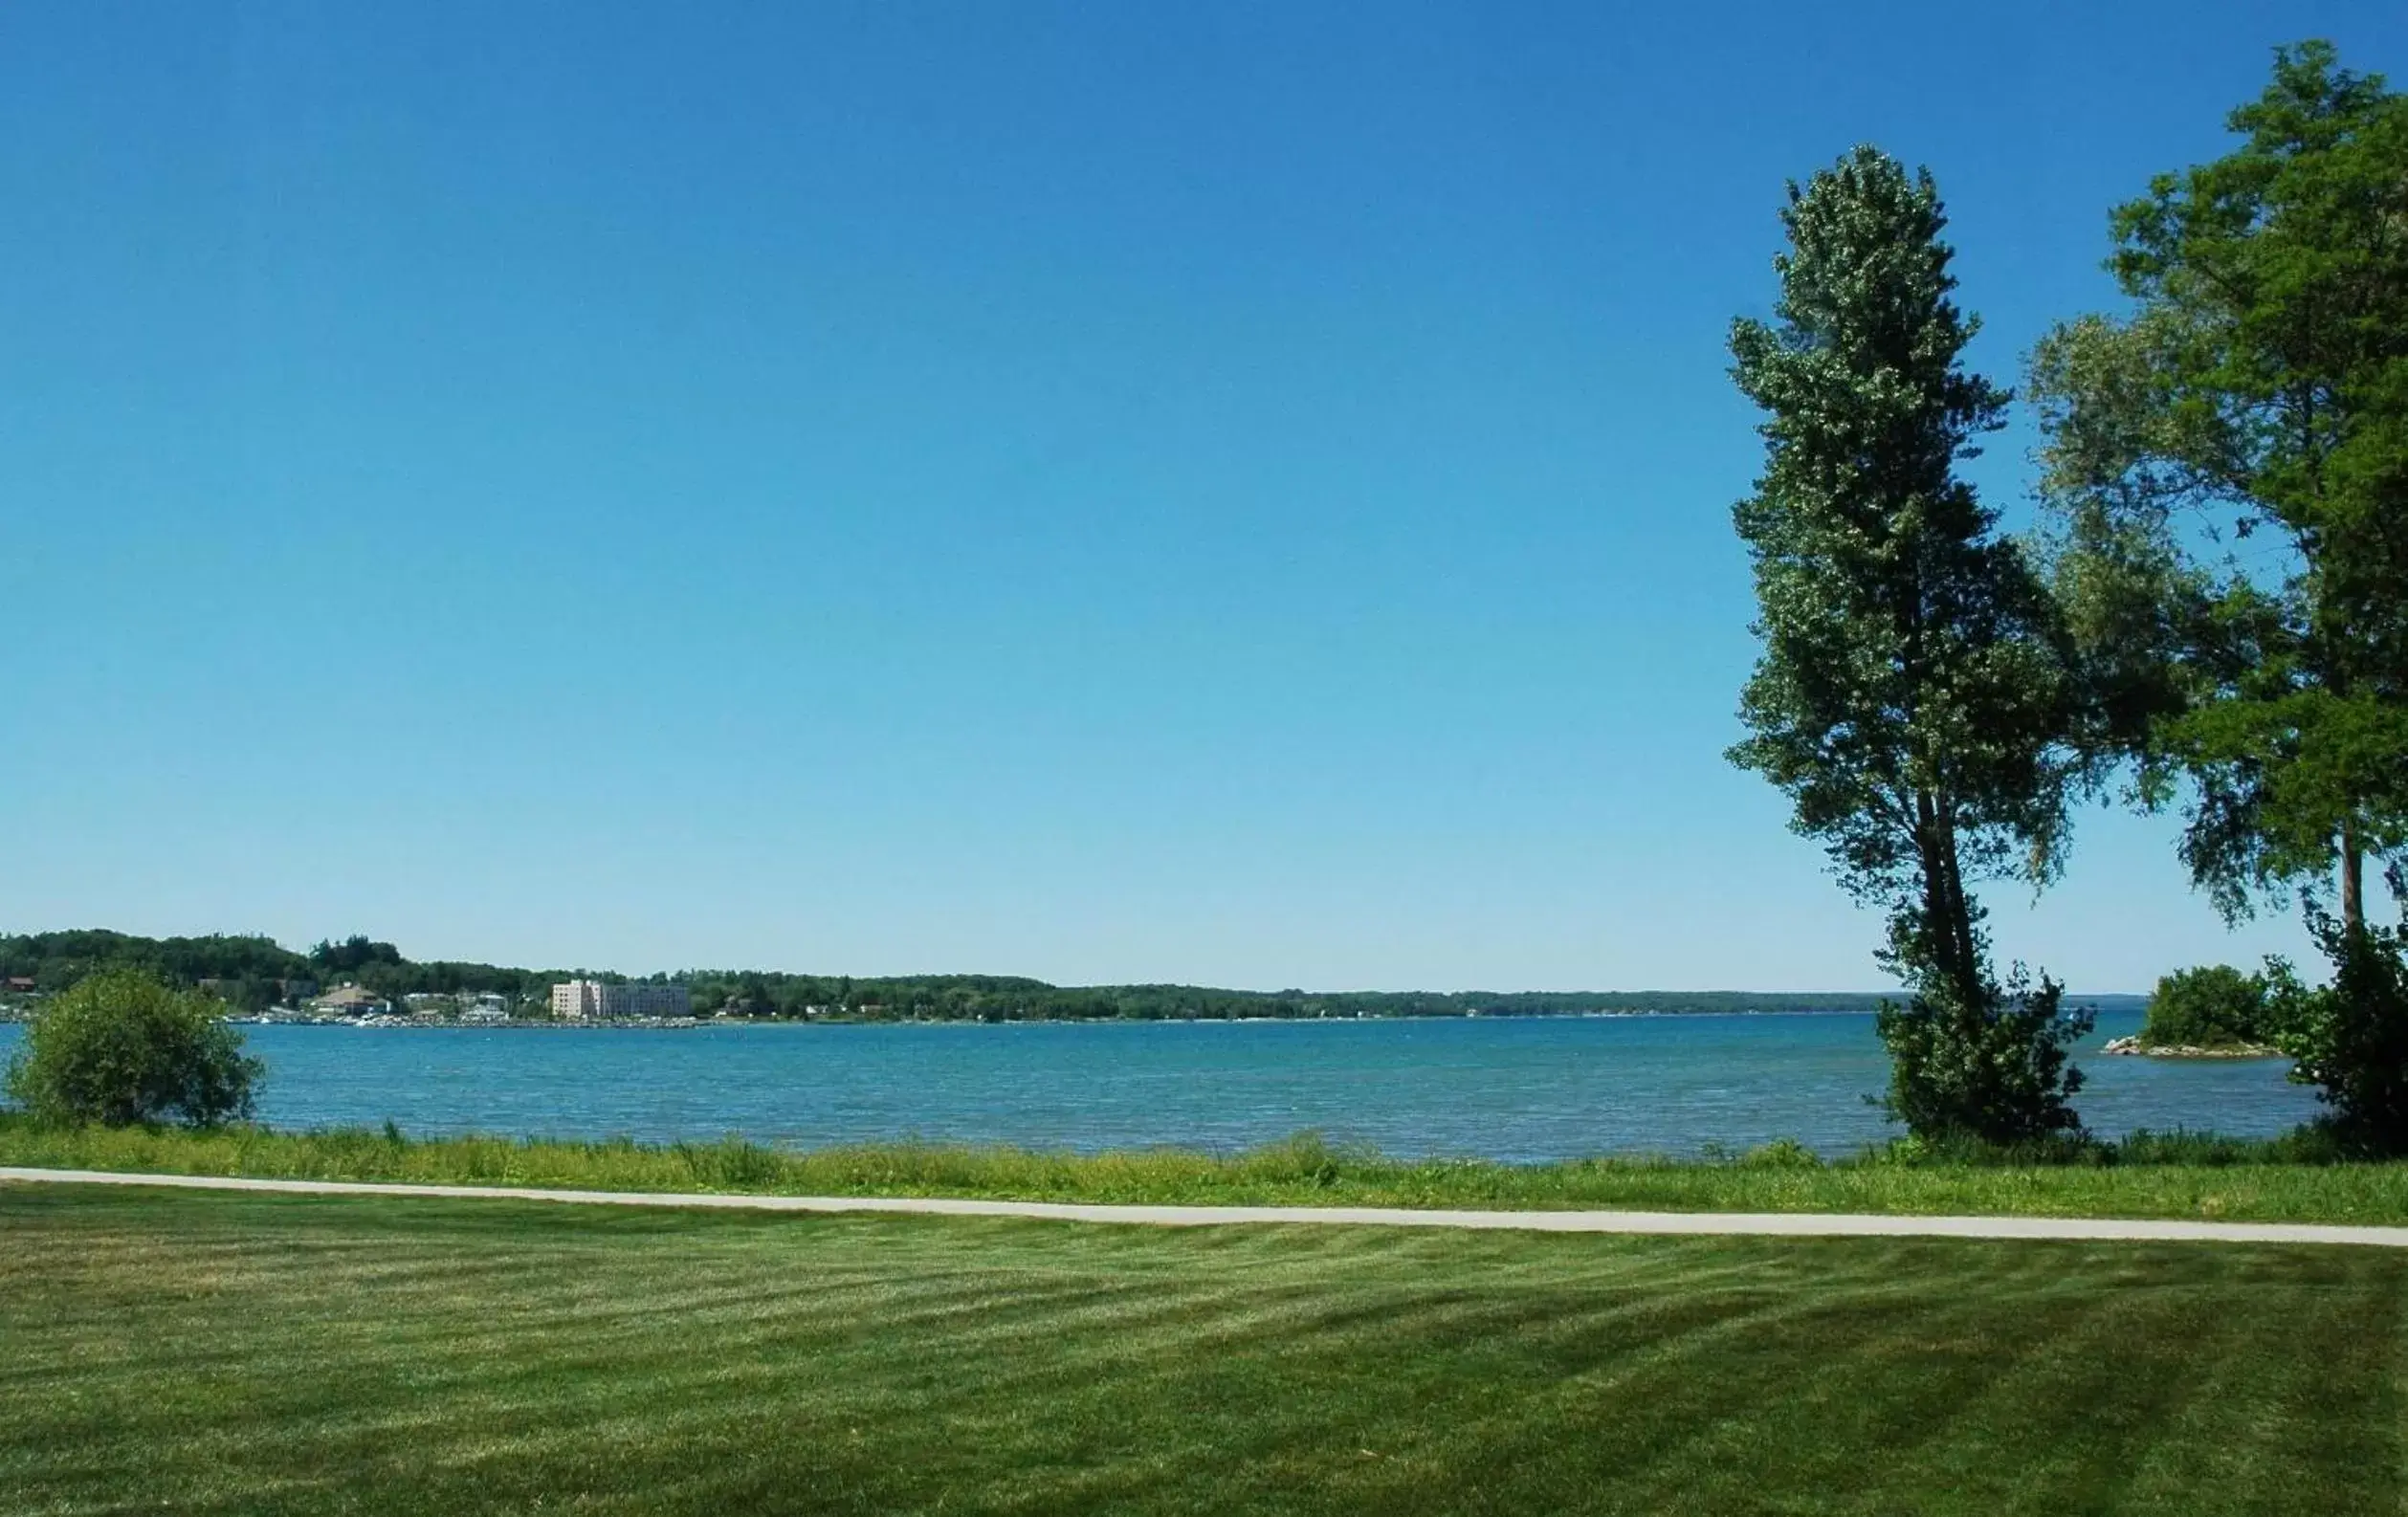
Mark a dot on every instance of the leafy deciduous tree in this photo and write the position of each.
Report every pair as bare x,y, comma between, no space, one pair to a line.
2228,464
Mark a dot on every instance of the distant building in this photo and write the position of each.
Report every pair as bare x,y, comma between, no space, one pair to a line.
583,999
20,985
488,1007
426,1003
352,1001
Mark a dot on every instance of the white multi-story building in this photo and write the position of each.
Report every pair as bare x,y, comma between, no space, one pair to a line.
581,999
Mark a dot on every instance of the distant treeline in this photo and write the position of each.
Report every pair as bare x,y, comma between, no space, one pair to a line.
253,972
999,998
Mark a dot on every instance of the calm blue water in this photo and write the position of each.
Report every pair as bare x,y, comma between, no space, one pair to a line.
1508,1089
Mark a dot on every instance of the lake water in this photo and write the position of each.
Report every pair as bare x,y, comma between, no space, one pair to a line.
1521,1088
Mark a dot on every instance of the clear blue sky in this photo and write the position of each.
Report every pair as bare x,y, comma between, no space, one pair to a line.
1227,492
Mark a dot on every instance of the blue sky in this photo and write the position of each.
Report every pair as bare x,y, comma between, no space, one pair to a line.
1233,494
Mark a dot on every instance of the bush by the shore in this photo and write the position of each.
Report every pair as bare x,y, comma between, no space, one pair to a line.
122,1047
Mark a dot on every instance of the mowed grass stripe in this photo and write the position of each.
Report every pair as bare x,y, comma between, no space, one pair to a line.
1684,1432
2103,1370
226,1353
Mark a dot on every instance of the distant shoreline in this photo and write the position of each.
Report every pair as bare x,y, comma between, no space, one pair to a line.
384,1023
253,973
1806,1004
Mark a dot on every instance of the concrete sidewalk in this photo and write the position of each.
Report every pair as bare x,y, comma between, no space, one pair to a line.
1772,1225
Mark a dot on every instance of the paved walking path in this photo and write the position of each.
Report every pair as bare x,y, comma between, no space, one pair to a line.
1781,1225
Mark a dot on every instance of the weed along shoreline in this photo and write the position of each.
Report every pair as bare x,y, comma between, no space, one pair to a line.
2180,1178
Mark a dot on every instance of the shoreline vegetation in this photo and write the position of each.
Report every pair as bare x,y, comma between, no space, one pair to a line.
2299,1178
24,1013
260,979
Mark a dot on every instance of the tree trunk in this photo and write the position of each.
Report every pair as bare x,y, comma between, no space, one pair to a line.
1960,917
2353,881
1947,920
1935,942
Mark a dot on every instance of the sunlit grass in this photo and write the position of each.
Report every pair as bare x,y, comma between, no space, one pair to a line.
211,1354
2193,1177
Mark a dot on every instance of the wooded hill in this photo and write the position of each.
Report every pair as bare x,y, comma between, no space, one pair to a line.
253,972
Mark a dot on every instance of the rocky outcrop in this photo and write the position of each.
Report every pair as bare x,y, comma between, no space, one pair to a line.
2177,1050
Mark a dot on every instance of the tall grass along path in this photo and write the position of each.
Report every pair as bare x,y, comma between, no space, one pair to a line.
1783,1225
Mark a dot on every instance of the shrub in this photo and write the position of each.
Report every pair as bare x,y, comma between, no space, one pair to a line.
2351,1039
1992,1072
2213,1006
122,1047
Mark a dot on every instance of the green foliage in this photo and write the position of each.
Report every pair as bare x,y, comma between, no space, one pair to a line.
2258,391
2213,1006
1907,696
57,960
1911,698
2351,1037
122,1047
1994,1071
352,954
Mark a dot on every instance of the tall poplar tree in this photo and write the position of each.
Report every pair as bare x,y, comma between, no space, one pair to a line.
1912,696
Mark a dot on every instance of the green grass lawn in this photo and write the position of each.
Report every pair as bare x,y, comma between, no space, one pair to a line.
222,1354
2183,1178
